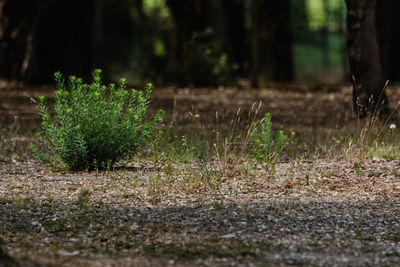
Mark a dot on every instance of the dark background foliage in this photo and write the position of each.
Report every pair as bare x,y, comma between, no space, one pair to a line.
197,42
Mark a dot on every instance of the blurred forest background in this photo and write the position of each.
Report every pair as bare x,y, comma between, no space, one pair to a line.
186,43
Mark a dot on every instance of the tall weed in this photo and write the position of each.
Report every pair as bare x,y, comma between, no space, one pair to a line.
266,147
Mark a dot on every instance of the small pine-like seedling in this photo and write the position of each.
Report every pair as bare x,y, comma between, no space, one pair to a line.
94,125
266,148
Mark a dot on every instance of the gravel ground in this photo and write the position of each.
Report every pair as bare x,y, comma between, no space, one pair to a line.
307,213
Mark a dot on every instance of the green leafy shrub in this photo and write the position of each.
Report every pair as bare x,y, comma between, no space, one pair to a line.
94,125
266,148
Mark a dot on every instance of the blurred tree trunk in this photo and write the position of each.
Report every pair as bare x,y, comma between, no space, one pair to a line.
146,38
16,33
369,96
63,40
300,18
47,36
255,44
276,39
97,37
189,17
325,36
236,32
43,37
388,31
280,16
339,14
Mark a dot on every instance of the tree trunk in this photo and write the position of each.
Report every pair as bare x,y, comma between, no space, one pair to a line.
70,46
255,44
97,37
146,36
388,32
369,97
325,37
236,32
65,35
280,23
189,17
16,28
275,37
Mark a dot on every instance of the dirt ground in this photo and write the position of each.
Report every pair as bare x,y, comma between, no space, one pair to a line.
305,104
323,213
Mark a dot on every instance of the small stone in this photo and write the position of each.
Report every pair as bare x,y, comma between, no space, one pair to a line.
67,253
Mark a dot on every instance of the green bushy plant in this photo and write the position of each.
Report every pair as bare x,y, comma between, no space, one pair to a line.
266,147
94,125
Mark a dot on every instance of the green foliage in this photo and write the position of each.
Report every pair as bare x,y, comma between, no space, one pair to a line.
267,148
94,125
